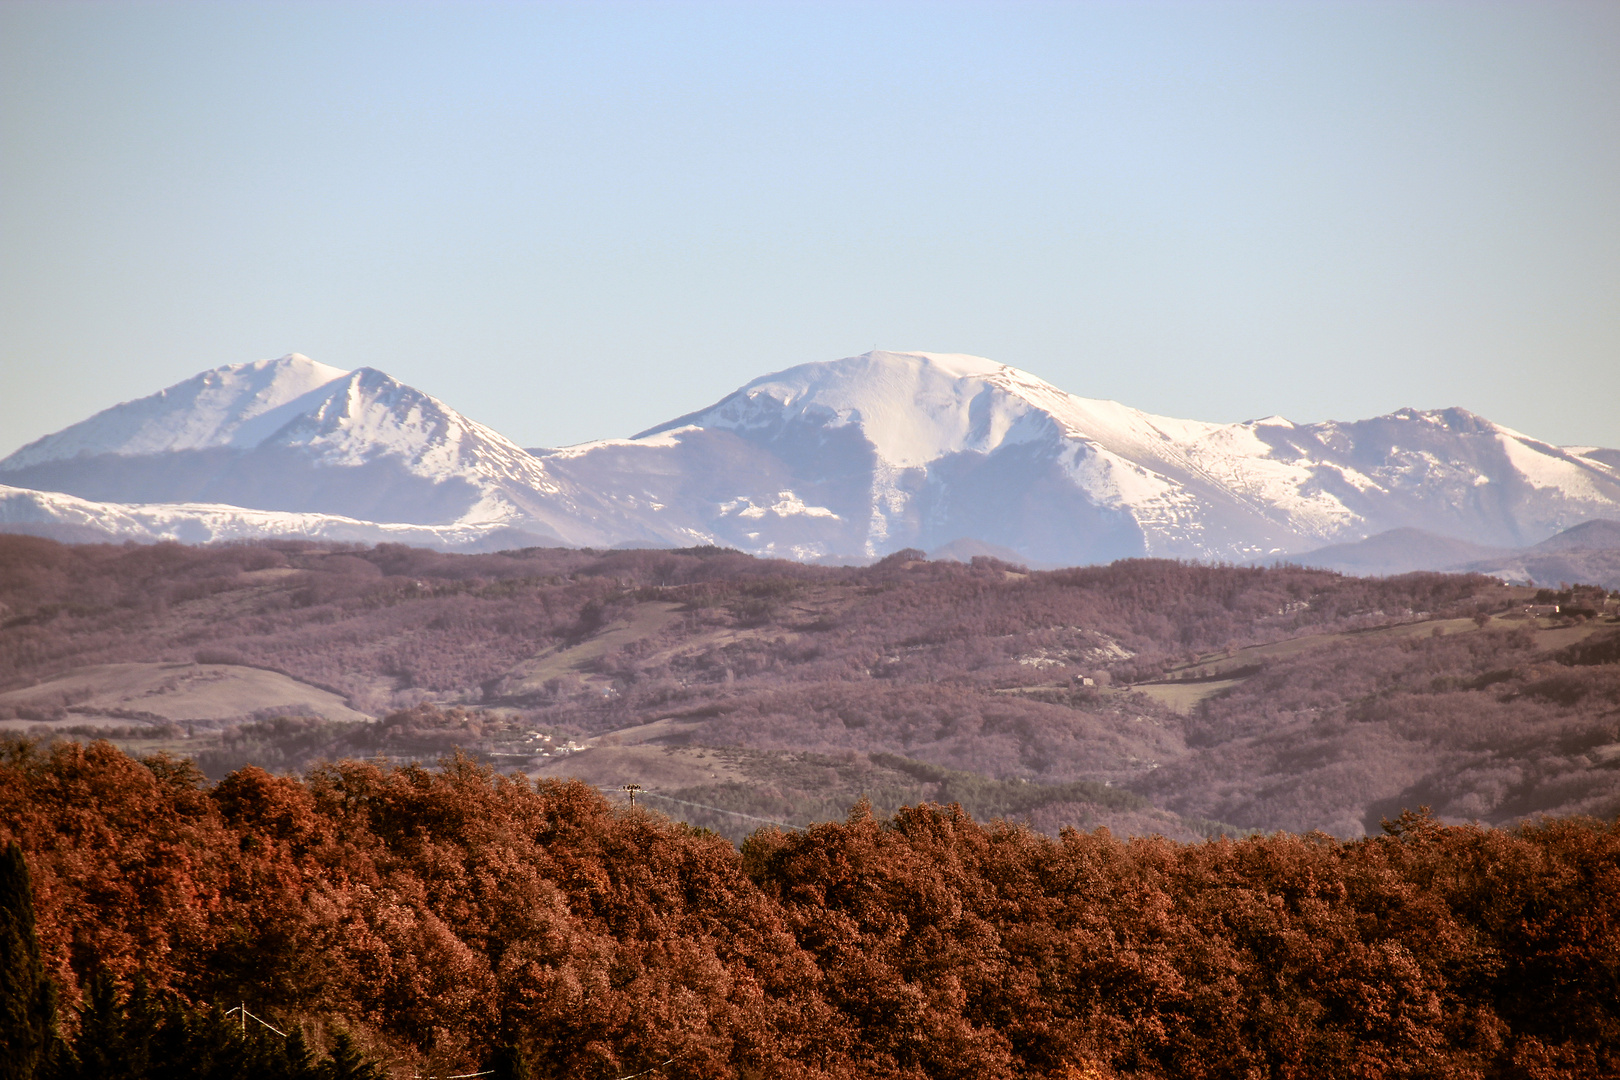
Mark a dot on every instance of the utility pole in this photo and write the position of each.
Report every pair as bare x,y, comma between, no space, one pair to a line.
245,1016
630,790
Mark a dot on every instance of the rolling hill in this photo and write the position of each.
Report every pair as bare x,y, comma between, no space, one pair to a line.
1149,695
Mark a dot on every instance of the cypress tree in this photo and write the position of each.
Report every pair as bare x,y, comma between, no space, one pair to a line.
27,995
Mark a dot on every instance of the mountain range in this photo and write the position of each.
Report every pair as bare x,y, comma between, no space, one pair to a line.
1588,553
846,460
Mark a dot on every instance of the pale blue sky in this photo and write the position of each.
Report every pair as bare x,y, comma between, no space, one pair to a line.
572,221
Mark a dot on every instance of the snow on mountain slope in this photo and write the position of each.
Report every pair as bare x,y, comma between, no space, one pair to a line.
1550,467
1455,473
913,407
238,405
850,458
886,432
967,447
65,517
292,435
934,447
369,419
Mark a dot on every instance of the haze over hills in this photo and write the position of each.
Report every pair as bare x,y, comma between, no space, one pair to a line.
1588,553
842,460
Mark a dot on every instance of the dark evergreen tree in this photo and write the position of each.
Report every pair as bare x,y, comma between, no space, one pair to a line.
298,1062
143,1022
508,1062
222,1049
268,1055
101,1046
27,995
346,1062
202,1044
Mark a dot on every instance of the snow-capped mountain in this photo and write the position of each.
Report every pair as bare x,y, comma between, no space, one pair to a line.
235,406
949,446
851,458
872,453
294,436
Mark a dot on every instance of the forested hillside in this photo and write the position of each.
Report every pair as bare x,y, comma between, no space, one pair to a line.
1151,696
446,919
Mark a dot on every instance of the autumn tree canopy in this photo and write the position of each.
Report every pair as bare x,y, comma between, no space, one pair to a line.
452,917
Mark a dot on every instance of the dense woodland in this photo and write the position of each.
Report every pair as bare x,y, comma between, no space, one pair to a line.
440,919
1422,689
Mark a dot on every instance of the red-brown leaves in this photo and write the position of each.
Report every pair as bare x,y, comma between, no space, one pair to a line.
445,910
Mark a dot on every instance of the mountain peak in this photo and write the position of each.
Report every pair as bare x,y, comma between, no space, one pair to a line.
913,407
234,405
955,365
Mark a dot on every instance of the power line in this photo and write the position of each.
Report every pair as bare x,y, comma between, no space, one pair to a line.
645,794
719,810
246,1016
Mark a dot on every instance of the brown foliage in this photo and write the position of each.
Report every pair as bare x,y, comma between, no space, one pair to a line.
444,911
